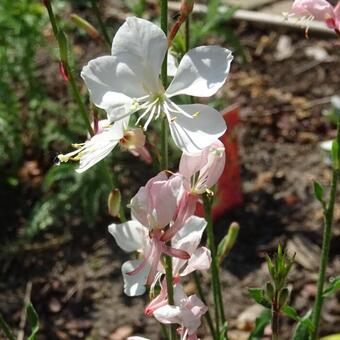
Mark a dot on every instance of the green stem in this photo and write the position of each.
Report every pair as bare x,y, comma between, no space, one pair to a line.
207,315
275,320
164,161
218,300
63,50
100,22
187,33
6,329
327,233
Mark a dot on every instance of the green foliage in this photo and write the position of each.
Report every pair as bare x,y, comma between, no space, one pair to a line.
302,331
334,285
257,294
260,324
33,320
319,192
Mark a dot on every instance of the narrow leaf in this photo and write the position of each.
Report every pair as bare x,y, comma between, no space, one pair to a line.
318,191
302,331
33,320
260,324
257,294
6,329
335,154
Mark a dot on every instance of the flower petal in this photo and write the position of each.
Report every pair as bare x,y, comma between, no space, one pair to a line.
130,236
112,84
201,72
168,314
143,44
100,145
199,260
192,135
134,285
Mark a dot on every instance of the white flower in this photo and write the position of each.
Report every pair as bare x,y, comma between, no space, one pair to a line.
128,81
102,143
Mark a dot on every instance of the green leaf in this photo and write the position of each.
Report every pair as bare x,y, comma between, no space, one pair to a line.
257,294
333,287
293,314
302,330
318,192
6,329
260,324
33,320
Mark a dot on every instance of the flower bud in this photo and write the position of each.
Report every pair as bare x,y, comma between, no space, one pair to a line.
85,26
283,297
113,202
269,291
62,40
186,7
228,242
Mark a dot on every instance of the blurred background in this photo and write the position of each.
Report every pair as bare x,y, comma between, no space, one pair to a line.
55,249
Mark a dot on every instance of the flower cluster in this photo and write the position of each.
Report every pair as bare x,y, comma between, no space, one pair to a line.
163,220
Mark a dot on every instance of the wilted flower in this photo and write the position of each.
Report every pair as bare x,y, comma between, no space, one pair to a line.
128,81
104,141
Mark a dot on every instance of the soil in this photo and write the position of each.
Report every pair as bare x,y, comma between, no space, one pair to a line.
76,279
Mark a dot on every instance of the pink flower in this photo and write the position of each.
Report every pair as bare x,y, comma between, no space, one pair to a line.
186,312
319,9
155,204
152,208
200,172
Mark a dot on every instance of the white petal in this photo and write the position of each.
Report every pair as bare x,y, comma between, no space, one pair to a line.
201,72
145,45
135,337
168,314
199,260
188,239
134,285
192,135
172,67
112,84
99,146
130,236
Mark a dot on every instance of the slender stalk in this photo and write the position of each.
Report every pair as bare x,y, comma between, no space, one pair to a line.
100,22
6,329
218,300
327,234
164,161
207,315
62,44
275,319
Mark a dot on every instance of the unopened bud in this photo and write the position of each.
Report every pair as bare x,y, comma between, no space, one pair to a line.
113,202
283,297
269,290
85,26
228,242
186,7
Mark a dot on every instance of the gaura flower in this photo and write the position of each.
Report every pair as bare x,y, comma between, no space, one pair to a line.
319,9
152,208
186,312
128,81
104,141
200,171
188,239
